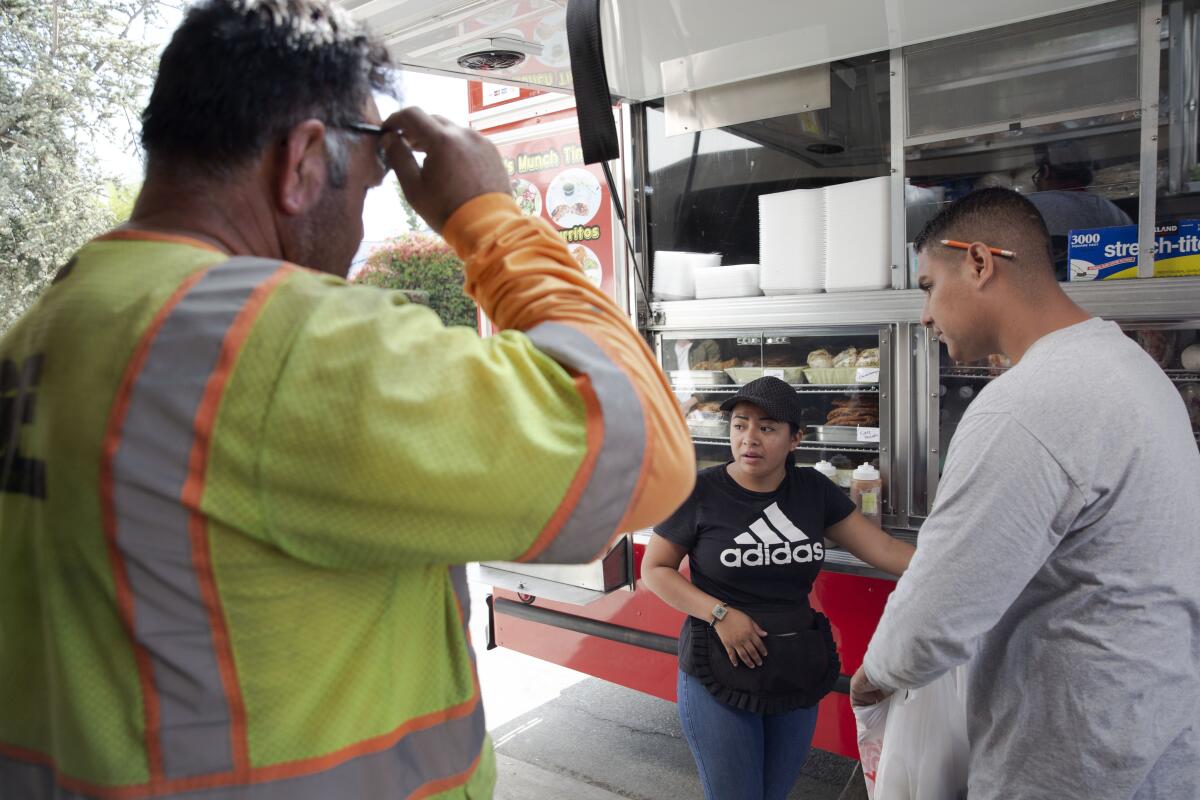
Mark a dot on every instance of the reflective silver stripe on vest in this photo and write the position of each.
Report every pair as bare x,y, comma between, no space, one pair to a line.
458,579
443,752
462,593
614,477
149,470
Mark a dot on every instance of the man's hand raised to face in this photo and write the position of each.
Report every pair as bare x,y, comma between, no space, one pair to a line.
459,165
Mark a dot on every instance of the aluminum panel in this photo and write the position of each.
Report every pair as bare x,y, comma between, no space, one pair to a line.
744,101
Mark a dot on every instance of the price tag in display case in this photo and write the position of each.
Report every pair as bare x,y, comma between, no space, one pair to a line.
866,374
868,434
773,373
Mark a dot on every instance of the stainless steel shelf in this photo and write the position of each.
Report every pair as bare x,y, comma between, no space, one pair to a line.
976,373
710,440
801,388
862,447
1147,299
841,310
829,388
988,373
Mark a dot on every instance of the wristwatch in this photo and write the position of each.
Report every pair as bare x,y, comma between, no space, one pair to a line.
718,613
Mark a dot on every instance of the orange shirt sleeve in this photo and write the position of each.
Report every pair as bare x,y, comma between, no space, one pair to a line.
521,274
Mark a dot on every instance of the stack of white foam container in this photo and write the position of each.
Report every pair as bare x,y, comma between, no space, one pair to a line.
675,273
730,280
791,253
857,236
831,239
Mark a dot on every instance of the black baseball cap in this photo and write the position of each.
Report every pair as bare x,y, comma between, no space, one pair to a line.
771,395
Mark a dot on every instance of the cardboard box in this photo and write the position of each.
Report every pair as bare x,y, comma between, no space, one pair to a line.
1178,254
1102,254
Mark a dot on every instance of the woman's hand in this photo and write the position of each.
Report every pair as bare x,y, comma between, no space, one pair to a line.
660,571
742,638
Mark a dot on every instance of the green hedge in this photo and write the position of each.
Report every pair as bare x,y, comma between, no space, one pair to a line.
425,263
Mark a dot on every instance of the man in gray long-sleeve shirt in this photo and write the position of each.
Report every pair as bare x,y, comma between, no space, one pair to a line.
1062,556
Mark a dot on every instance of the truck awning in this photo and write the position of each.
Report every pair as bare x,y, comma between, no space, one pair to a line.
656,48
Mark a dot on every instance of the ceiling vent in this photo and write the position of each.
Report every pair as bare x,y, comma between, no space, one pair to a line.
825,148
488,60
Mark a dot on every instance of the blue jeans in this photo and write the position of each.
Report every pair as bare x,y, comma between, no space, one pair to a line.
741,755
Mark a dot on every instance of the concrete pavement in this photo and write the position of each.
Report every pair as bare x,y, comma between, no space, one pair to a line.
560,734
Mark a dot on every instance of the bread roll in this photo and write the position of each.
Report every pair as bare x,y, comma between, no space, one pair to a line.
868,358
820,358
846,358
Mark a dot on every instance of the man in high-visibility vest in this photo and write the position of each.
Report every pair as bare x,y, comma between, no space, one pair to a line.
234,491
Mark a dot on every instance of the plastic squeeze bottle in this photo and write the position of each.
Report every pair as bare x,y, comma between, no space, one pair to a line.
866,491
826,469
845,470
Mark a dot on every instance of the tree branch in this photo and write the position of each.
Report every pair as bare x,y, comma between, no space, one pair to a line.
124,31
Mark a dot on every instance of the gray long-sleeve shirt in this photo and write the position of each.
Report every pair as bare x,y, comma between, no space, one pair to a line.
1062,557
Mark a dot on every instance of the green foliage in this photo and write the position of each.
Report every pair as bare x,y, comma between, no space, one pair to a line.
415,223
425,263
68,68
121,197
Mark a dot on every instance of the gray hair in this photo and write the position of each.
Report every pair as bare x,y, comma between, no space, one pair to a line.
337,150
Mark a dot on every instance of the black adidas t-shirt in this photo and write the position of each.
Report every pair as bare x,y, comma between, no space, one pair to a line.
753,548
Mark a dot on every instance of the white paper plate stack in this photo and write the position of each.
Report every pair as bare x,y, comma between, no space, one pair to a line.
674,273
791,246
731,280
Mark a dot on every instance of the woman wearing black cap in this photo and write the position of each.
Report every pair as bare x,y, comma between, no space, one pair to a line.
754,659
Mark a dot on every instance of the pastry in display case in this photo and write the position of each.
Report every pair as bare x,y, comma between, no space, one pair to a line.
846,415
842,367
707,420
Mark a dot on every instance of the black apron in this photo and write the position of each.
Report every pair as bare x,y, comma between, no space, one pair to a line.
801,665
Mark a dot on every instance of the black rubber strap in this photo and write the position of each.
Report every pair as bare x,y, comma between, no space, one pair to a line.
597,127
594,108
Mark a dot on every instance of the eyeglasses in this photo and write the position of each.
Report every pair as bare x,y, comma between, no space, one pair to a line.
363,127
369,129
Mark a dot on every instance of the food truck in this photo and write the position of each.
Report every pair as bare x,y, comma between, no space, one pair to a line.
776,160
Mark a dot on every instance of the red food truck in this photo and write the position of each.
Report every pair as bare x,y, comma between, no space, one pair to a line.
805,145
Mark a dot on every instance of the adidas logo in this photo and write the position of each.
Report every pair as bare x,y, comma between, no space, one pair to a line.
772,539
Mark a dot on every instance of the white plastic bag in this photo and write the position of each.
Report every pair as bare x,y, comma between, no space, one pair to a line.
870,721
924,753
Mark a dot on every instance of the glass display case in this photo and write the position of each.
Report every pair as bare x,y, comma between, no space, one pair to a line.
841,375
1175,347
951,387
